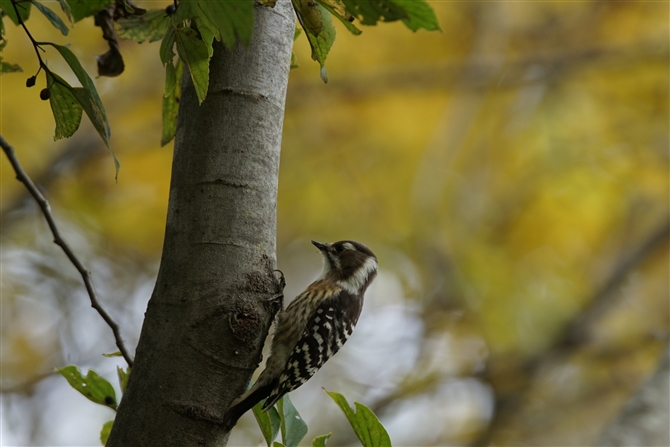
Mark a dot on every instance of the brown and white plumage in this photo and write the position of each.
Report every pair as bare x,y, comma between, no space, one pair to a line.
314,326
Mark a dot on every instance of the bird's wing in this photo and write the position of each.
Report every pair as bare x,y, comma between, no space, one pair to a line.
327,329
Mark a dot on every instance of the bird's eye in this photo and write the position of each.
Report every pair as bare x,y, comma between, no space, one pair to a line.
339,248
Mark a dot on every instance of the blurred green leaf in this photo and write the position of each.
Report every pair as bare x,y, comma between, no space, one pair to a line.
171,104
320,441
66,9
6,67
268,421
85,8
369,12
113,354
8,9
277,444
150,26
193,52
293,426
419,15
123,377
106,430
93,387
416,14
52,17
65,106
365,423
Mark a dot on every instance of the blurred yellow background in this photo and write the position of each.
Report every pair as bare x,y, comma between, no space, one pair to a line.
510,172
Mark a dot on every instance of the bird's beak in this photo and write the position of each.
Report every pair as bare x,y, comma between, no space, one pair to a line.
320,246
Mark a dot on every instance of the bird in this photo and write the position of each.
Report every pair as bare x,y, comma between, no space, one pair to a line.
313,327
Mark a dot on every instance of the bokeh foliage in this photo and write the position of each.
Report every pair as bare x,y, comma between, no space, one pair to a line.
510,172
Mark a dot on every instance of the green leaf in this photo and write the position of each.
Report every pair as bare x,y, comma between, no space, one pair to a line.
336,9
369,12
66,9
185,11
8,9
419,15
193,52
171,105
268,421
311,18
88,98
65,107
93,387
85,8
6,67
150,26
106,430
123,377
293,427
208,31
233,19
166,51
113,354
364,422
320,441
277,444
170,79
416,14
321,43
52,17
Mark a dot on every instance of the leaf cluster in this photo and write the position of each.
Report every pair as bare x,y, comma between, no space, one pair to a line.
283,417
96,389
190,27
67,102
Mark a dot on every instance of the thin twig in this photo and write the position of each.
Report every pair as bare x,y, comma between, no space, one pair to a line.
23,177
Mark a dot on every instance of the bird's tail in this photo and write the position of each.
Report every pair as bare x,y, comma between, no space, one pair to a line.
245,403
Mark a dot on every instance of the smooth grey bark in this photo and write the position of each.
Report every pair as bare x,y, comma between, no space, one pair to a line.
211,307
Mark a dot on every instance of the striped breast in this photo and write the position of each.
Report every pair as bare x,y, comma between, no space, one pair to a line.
327,329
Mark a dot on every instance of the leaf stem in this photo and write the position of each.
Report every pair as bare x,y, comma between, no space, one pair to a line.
36,45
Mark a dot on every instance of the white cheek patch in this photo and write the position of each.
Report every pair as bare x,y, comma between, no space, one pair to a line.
326,267
359,278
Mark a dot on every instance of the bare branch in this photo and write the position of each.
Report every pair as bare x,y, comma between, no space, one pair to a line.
23,177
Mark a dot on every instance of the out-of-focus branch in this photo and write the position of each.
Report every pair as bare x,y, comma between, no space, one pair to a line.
484,72
644,420
576,333
23,177
75,153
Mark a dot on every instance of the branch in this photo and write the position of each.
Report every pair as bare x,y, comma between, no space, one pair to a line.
575,335
23,177
76,152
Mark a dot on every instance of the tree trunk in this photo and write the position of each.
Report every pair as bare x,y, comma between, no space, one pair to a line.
212,305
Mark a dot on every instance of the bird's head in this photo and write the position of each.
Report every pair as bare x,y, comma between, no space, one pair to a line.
351,264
